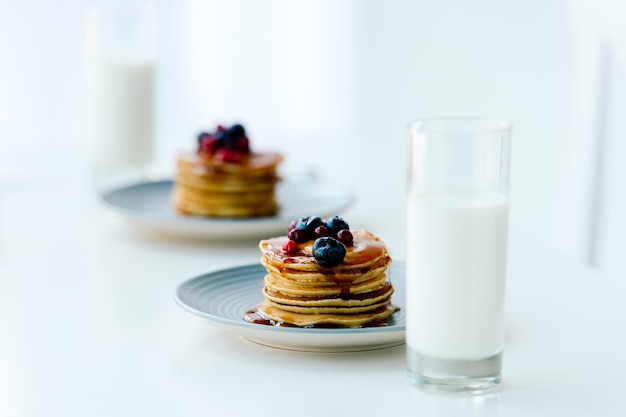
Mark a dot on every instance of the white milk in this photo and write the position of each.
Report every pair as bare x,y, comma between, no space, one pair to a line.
456,266
121,113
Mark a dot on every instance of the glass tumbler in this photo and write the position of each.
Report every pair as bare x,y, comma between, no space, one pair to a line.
122,44
457,221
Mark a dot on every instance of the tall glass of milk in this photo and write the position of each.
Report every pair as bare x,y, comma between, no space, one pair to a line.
121,70
457,215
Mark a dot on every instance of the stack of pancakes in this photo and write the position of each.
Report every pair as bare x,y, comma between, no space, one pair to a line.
300,292
208,186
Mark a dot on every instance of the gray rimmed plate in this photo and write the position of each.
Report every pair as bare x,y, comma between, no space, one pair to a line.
148,205
223,297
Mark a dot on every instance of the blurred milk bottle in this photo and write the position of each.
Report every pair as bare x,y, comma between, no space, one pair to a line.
121,70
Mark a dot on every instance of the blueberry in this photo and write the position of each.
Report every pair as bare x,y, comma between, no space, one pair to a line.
297,235
309,224
328,251
236,130
222,136
335,224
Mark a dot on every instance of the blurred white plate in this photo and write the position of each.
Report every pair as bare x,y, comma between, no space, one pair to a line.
148,205
224,296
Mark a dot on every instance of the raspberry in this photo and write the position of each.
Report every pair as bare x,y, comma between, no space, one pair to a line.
321,231
291,247
228,155
297,235
345,237
209,145
242,144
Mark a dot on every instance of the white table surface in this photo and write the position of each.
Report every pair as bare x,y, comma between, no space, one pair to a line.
89,327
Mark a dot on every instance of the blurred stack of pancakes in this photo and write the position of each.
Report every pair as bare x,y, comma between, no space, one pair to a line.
300,292
226,180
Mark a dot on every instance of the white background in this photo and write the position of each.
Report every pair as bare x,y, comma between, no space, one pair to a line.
88,325
333,85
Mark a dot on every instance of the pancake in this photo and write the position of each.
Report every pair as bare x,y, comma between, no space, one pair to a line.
254,172
369,298
190,200
298,291
309,274
240,184
277,315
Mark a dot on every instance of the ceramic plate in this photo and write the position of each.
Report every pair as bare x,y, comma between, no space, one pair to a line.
148,205
223,297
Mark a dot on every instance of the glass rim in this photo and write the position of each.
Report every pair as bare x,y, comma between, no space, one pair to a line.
492,125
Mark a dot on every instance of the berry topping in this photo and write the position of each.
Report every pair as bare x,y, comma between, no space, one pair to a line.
224,138
308,224
328,251
228,155
297,235
345,237
321,231
209,145
232,139
202,136
335,224
291,247
242,144
313,227
237,130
